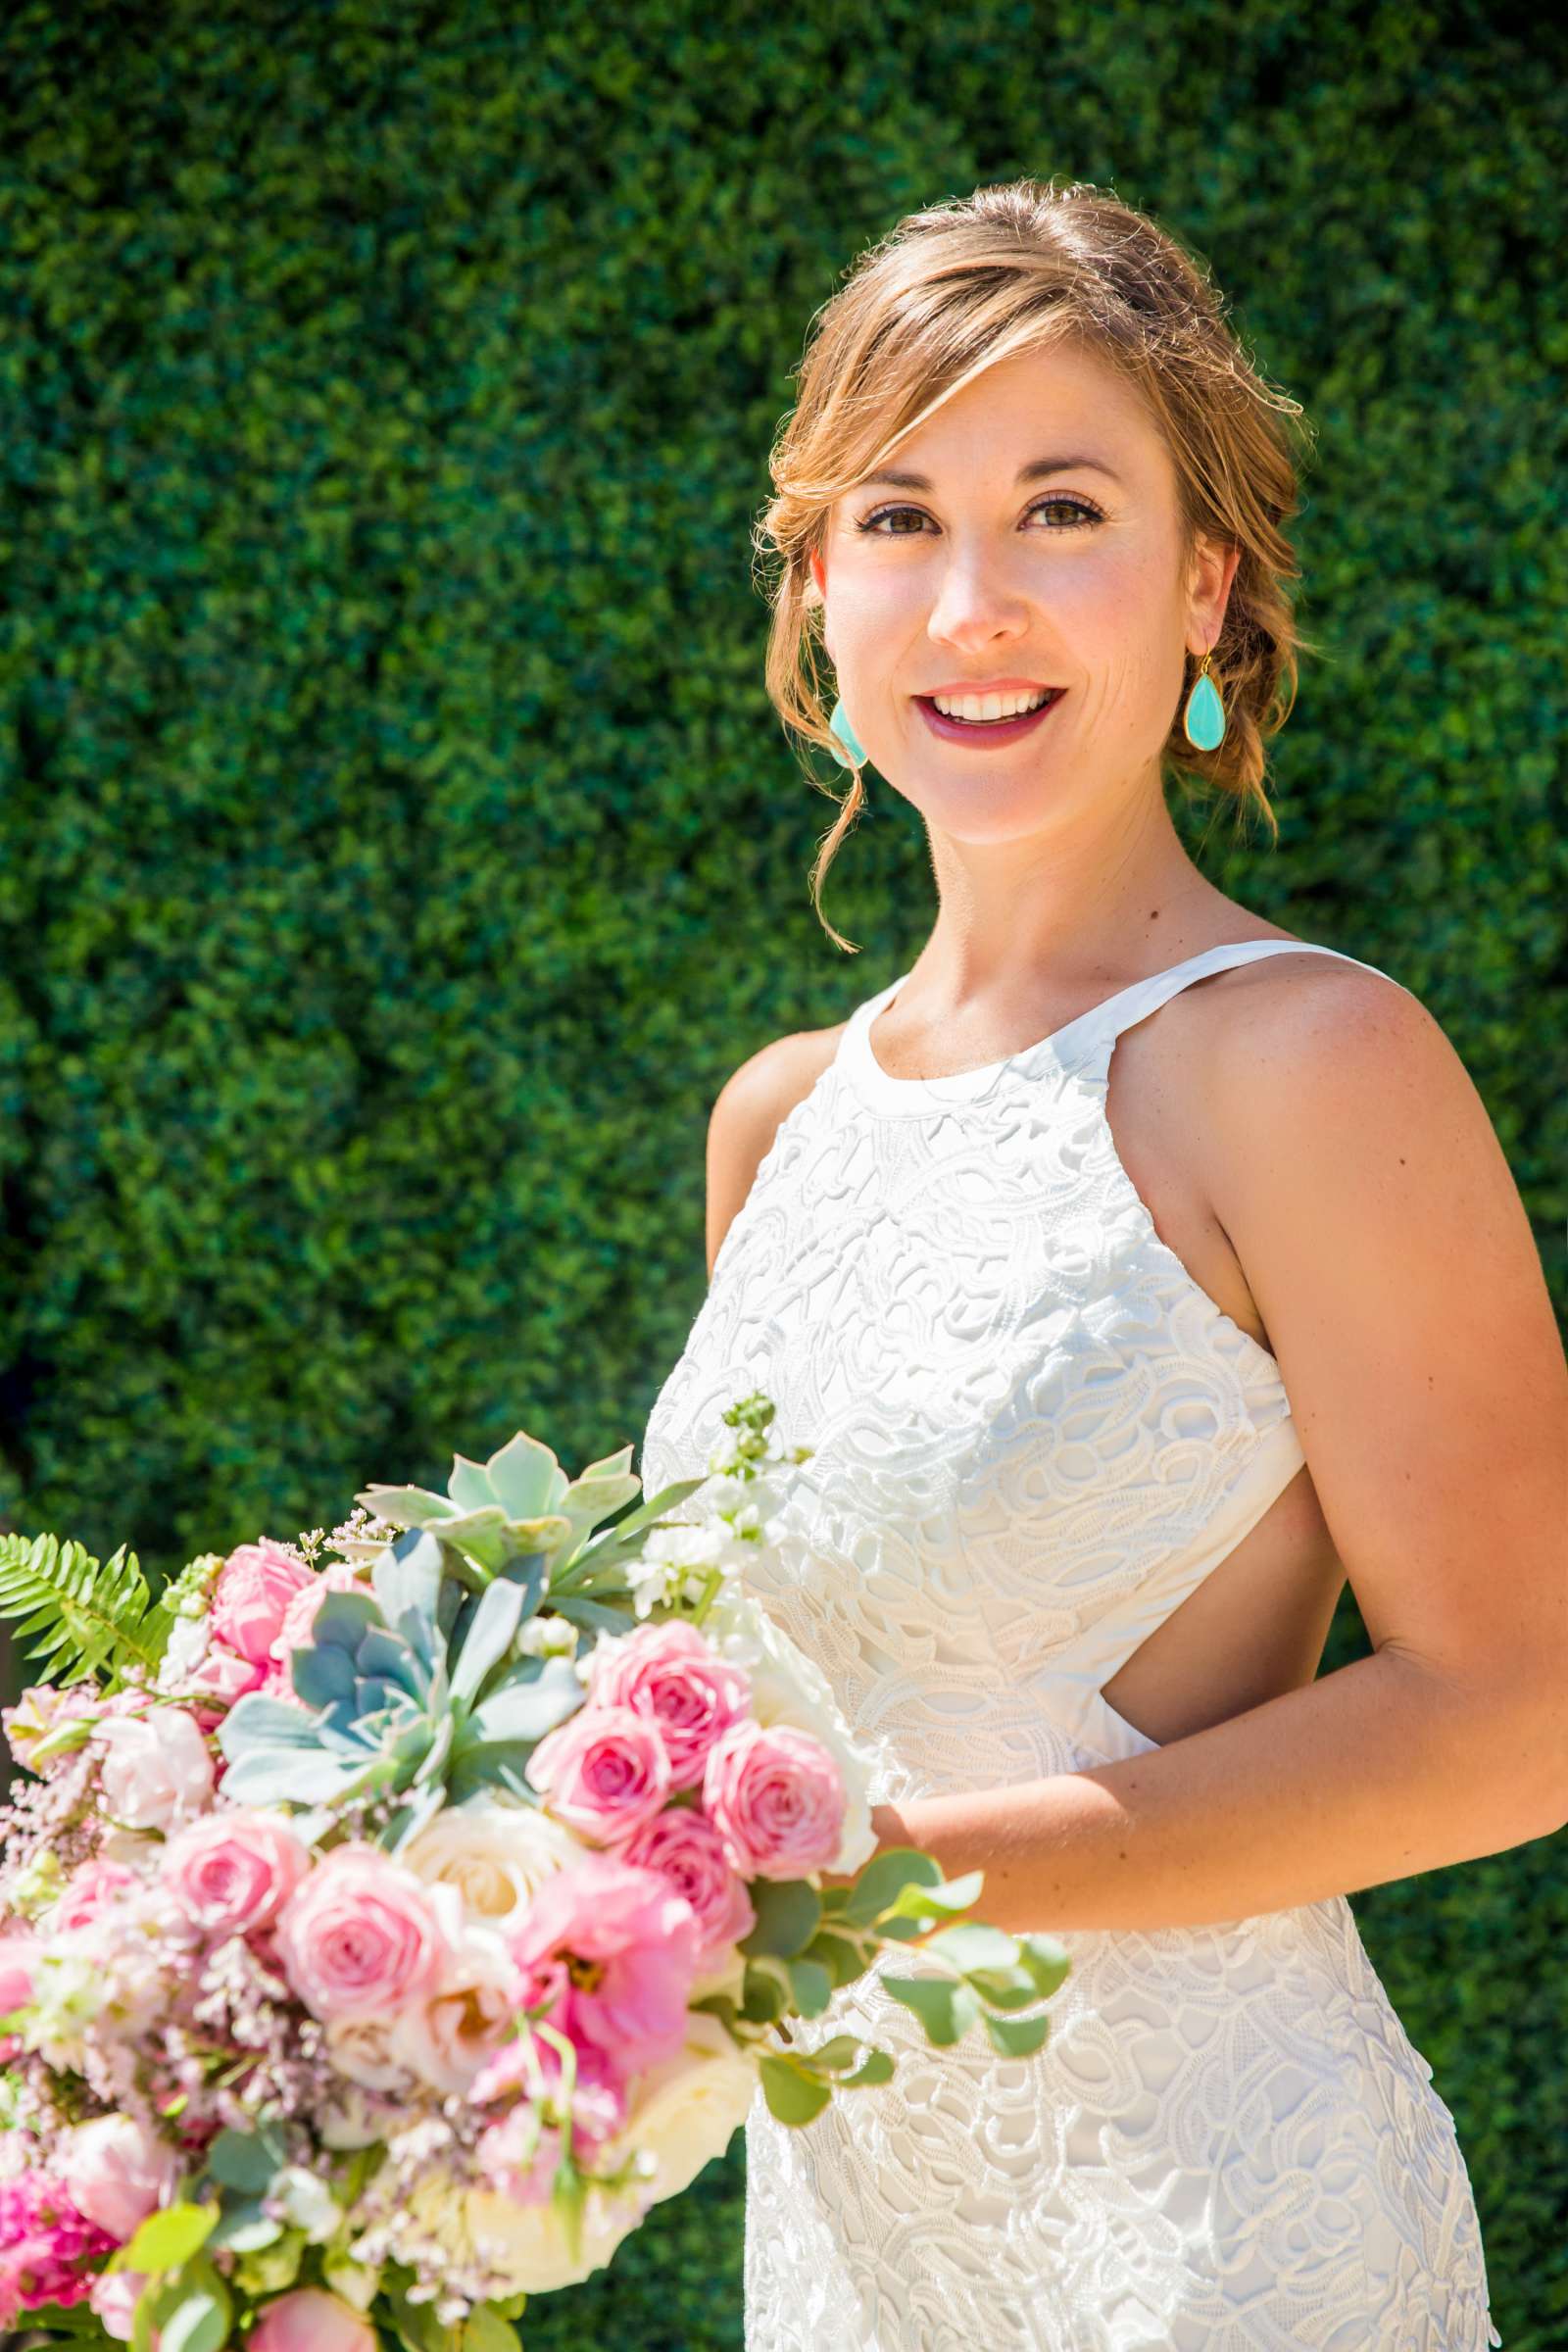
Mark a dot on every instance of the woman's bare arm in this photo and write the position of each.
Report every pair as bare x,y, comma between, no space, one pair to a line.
1370,1204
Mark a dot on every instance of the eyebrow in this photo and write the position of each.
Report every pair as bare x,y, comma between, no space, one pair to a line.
1026,474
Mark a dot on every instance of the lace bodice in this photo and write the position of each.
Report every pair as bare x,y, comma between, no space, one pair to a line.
1035,1435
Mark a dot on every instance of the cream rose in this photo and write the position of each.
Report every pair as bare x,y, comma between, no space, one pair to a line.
684,2110
447,2036
526,2244
496,1853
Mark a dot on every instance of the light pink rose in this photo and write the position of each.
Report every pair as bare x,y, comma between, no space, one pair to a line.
92,1888
360,1936
234,1871
40,1713
669,1674
612,1950
310,2319
255,1586
689,1851
446,2037
113,2296
118,2172
225,1674
157,1772
299,1618
778,1800
604,1772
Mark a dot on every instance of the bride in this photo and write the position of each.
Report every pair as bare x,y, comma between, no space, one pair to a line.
1138,1271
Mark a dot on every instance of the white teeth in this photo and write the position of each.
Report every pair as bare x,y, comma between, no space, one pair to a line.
989,706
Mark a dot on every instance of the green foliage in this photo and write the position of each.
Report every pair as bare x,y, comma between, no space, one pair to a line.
77,1616
400,850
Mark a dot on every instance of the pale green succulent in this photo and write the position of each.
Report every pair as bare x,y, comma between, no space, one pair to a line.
417,1686
520,1501
408,1687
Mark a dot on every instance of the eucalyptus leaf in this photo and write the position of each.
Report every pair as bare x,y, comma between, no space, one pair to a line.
883,1880
1018,2036
878,2068
243,2160
788,1915
972,1945
945,2006
169,2237
792,2097
813,1987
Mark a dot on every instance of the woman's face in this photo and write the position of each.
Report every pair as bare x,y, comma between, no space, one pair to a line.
984,571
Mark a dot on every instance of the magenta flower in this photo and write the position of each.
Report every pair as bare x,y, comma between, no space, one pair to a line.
669,1674
612,1950
49,2252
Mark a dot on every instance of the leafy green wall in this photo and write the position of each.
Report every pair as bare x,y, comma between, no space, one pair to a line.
398,848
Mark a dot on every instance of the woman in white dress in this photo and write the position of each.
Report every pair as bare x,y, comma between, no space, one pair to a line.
1121,1342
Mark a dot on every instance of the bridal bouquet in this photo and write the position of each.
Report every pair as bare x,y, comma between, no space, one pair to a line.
388,1919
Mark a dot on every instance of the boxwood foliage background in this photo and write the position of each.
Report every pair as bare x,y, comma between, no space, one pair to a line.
400,848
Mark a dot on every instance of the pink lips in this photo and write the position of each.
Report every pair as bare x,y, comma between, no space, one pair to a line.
990,734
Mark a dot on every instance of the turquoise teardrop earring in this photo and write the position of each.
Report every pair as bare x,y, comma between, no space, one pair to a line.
847,751
1203,719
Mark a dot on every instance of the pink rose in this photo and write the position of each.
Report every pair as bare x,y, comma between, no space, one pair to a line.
603,1771
310,2319
669,1674
157,1772
689,1851
778,1800
225,1674
360,1937
299,1618
92,1888
612,1950
234,1870
114,2295
41,1714
255,1586
119,2172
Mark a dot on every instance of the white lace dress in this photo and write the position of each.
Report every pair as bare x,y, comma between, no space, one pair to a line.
1034,1436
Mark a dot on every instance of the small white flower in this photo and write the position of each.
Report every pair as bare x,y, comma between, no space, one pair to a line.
547,1638
304,2203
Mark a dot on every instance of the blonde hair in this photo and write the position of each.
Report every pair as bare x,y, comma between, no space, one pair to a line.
950,290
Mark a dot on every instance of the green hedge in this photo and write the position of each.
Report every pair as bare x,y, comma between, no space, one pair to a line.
399,846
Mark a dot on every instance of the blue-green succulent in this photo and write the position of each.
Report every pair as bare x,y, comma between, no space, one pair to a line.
419,1688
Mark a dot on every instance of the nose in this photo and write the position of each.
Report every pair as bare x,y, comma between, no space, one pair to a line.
976,606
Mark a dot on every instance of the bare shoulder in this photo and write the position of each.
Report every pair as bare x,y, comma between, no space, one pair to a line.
750,1108
1346,1146
1319,1021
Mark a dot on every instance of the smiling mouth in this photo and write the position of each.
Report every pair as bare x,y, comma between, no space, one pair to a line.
980,726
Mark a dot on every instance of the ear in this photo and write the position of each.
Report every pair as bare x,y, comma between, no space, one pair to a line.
819,575
1212,570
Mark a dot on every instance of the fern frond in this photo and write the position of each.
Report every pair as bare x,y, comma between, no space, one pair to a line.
78,1614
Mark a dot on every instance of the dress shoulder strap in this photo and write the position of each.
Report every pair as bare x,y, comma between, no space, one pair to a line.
1135,1004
